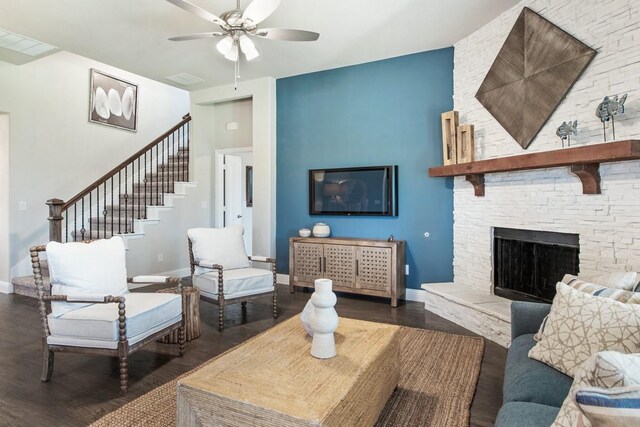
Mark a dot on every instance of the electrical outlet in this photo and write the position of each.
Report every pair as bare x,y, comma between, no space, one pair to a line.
204,204
22,206
160,257
406,269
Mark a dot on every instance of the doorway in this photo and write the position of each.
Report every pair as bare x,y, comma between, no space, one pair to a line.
4,204
233,191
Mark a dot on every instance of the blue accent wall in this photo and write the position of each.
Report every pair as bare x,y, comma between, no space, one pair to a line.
380,113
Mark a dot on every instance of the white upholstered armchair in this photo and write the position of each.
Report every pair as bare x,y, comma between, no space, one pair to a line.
222,271
90,310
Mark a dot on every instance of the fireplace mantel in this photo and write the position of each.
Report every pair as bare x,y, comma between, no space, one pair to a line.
584,162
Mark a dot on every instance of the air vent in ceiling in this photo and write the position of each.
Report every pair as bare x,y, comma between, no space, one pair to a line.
185,79
23,44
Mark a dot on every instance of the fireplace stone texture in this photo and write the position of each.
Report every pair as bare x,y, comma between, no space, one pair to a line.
551,199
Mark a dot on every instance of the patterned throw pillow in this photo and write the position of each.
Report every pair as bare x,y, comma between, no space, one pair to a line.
580,325
625,280
606,369
596,290
614,407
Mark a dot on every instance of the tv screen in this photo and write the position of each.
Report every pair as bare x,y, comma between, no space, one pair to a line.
354,191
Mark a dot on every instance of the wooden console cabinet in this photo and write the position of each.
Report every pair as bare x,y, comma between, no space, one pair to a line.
359,266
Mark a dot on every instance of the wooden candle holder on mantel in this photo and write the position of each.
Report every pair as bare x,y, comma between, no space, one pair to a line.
457,140
584,161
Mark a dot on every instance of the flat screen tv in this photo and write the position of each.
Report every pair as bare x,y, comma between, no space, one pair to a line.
371,190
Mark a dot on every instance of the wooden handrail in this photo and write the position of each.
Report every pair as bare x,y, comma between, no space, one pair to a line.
185,119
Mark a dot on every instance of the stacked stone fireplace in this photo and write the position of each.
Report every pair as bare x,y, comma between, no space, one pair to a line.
607,225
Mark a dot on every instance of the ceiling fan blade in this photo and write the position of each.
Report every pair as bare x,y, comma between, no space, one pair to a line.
259,10
196,36
285,34
197,10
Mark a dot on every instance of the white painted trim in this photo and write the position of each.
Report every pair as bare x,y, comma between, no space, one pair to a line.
282,279
180,272
263,94
418,295
218,192
6,288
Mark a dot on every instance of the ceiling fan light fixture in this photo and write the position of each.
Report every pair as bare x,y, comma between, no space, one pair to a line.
232,54
224,46
248,47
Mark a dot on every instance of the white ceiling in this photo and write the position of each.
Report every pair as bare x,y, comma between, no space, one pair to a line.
132,34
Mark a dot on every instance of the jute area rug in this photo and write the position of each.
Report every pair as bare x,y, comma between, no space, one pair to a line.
438,377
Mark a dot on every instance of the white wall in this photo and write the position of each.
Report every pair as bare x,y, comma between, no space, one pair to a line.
4,203
55,151
239,111
263,94
608,224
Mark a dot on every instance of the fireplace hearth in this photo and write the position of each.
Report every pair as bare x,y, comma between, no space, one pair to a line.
527,264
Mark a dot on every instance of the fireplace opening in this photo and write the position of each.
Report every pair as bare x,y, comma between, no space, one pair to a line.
528,264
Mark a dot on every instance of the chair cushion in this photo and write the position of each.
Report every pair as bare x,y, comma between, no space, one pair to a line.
527,380
86,268
237,283
223,246
96,325
525,414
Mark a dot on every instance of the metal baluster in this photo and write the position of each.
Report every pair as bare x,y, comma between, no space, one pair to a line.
164,169
75,221
126,196
112,212
173,161
98,212
138,187
188,153
66,227
90,205
82,230
119,201
104,208
157,186
146,178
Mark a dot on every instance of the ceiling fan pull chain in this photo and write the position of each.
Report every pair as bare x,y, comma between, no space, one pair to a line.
237,73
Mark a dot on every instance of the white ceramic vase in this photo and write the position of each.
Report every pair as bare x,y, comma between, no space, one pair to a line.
324,320
321,230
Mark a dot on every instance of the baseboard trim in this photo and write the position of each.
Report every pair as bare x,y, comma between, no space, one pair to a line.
6,287
418,295
180,272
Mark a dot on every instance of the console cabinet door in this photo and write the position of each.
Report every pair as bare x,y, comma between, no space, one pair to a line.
374,268
307,262
340,265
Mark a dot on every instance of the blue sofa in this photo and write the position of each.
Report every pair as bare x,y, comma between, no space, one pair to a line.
532,392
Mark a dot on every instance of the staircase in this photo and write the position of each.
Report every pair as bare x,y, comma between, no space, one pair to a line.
125,200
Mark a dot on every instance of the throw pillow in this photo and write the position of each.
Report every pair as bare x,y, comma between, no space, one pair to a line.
596,290
615,407
606,369
78,269
626,280
580,325
223,246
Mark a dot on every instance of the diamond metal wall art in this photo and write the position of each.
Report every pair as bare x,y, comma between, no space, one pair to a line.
534,70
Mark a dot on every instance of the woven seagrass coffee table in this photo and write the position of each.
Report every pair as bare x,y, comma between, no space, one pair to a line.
272,380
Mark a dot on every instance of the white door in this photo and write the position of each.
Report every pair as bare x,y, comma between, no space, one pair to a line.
236,211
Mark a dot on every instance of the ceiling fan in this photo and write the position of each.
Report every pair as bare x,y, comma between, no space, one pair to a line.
237,26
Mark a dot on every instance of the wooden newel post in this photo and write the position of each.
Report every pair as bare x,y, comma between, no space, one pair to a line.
55,219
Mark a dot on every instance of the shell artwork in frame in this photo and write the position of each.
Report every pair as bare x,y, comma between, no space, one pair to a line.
113,101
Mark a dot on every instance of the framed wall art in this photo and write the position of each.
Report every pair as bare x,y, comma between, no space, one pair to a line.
114,102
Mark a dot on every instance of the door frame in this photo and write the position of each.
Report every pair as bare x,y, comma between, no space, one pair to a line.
218,191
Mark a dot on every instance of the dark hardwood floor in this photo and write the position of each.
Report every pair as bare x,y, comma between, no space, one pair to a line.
83,388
